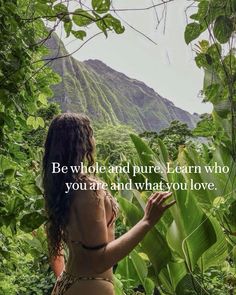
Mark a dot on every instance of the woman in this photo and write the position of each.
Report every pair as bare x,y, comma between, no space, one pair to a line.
84,219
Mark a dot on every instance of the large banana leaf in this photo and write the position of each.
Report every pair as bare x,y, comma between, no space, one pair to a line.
191,232
166,219
127,270
189,285
218,252
154,244
177,271
225,180
163,153
135,177
135,268
164,281
190,157
171,275
147,158
118,286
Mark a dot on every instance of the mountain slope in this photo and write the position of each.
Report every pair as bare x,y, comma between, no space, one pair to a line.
106,95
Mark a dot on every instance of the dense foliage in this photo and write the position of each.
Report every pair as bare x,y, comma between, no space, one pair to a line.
197,238
113,141
192,250
25,86
174,136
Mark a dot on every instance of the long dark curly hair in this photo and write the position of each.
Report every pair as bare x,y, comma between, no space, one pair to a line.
69,142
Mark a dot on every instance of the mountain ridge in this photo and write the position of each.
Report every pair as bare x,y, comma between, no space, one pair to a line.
109,96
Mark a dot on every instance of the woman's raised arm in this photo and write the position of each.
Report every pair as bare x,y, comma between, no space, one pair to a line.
93,228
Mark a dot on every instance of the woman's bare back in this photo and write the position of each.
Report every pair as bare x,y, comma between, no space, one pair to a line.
89,214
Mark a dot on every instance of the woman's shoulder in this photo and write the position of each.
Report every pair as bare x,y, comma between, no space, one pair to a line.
91,187
95,198
89,178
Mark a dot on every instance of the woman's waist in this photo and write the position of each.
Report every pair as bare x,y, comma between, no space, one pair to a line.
81,268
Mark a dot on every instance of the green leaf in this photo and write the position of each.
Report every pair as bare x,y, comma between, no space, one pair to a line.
42,98
31,221
191,157
60,8
40,122
147,157
205,128
189,236
134,267
217,253
126,268
188,284
31,189
213,93
68,28
43,9
210,78
30,121
9,173
118,286
111,23
192,31
215,50
35,122
194,16
148,286
177,271
82,18
203,9
139,265
164,157
79,34
222,108
201,60
154,242
138,177
101,6
6,163
204,45
223,28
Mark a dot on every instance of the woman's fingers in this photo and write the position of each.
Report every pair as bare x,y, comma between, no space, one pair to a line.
169,205
154,196
156,207
159,198
164,197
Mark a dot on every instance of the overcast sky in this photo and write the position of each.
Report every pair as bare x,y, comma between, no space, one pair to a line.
167,67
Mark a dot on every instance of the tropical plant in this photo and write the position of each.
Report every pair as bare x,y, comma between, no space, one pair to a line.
25,87
174,136
192,249
113,142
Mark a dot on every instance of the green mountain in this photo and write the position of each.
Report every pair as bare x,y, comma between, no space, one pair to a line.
105,95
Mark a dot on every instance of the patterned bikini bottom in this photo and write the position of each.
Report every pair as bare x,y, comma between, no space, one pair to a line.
66,280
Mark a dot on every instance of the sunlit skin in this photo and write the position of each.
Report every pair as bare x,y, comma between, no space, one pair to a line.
58,264
88,223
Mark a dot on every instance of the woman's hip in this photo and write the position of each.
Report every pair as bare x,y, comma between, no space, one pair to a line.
68,284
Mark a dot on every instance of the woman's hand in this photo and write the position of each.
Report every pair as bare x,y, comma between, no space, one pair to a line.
155,207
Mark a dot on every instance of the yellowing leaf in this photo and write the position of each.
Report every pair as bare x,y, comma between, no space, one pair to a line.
42,98
30,121
40,122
